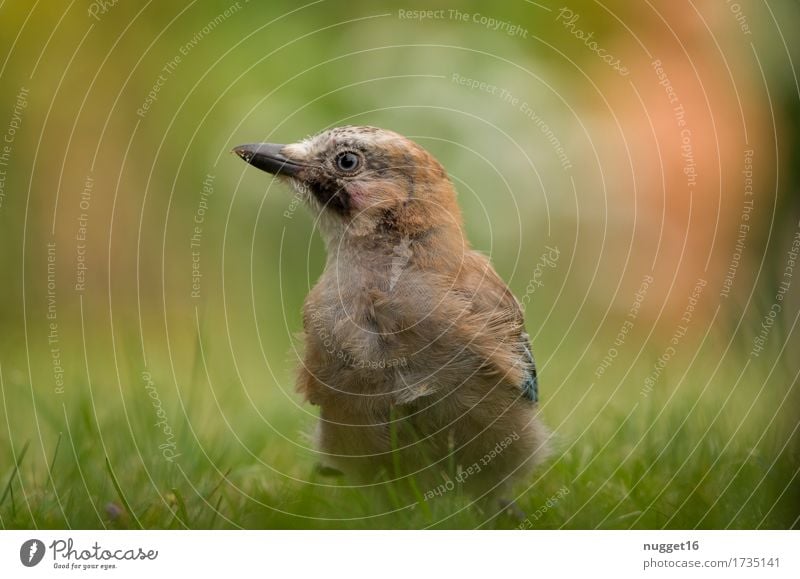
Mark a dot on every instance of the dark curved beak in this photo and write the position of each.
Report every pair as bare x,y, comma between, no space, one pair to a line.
268,157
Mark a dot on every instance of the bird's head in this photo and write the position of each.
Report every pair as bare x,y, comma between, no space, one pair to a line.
363,181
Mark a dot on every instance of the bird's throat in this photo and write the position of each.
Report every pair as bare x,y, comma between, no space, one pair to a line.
331,196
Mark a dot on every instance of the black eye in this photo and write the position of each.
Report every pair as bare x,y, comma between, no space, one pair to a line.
347,161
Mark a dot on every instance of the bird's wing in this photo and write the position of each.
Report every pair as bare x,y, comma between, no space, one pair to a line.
495,327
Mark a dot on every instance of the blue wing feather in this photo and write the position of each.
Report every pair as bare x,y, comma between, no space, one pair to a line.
530,386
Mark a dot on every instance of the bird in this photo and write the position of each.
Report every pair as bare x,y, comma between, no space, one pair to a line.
415,350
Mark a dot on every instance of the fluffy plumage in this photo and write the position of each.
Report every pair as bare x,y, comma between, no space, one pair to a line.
415,349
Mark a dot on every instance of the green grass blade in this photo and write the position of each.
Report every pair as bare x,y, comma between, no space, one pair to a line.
14,472
53,463
181,514
121,494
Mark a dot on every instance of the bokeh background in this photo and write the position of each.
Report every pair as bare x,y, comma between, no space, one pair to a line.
632,168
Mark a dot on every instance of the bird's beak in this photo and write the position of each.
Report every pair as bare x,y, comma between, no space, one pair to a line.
268,157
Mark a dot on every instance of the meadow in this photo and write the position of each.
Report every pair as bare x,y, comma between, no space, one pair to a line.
712,446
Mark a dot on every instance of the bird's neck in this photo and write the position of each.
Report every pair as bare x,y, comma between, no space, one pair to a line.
429,248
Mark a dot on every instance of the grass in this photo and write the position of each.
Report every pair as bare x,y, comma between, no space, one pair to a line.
715,445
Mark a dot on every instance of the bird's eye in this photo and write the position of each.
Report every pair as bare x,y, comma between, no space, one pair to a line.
348,161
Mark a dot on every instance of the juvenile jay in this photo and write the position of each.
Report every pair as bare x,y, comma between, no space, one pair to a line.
415,349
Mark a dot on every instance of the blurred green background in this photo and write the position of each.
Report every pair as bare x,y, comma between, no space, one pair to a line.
654,141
